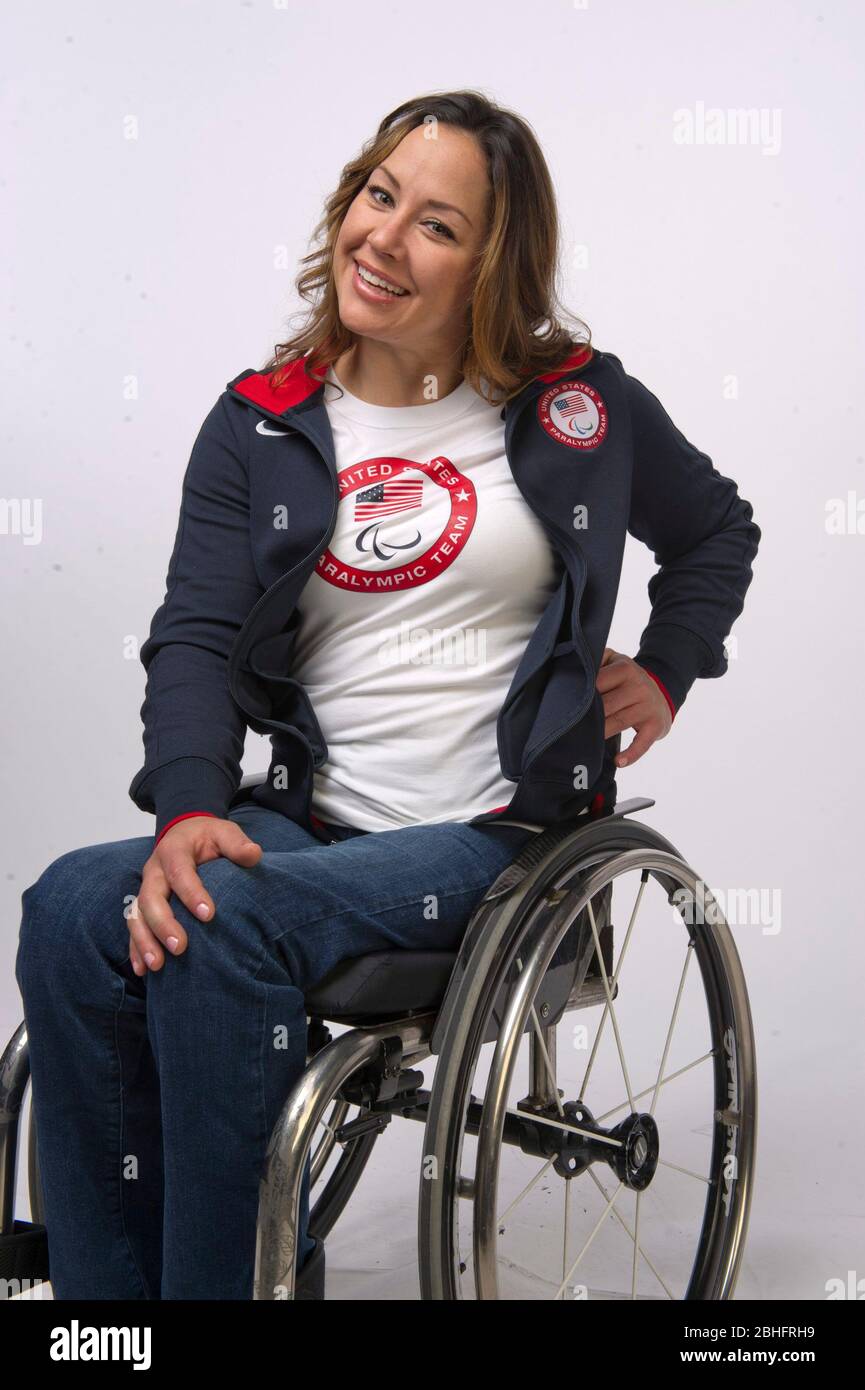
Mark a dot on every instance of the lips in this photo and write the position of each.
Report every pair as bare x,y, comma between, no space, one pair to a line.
372,271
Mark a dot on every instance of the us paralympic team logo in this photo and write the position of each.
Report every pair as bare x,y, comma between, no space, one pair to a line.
400,523
573,413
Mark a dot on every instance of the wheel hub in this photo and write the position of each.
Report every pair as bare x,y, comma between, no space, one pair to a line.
633,1157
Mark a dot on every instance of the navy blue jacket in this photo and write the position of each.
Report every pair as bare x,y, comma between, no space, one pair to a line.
595,456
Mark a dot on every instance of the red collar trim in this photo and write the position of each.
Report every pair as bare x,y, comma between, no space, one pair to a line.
577,359
298,385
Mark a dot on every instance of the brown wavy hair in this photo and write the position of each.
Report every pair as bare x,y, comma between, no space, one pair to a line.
516,330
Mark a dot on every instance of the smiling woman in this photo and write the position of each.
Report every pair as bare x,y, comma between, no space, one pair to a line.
438,259
409,589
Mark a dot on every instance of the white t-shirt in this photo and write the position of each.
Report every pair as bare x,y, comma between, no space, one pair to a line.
417,614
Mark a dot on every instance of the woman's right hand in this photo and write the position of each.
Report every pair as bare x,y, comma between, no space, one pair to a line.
171,868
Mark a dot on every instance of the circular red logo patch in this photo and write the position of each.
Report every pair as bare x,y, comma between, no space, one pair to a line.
573,413
400,523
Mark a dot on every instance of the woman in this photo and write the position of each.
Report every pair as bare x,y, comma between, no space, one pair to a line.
398,553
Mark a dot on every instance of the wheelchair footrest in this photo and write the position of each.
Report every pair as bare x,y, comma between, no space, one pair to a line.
24,1252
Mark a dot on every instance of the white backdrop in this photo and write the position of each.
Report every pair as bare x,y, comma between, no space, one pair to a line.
163,168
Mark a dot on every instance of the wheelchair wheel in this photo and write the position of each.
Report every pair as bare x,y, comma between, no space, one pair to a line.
330,1195
609,1150
344,1133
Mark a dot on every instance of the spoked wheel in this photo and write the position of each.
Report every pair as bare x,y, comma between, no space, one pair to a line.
336,1167
337,1158
602,1144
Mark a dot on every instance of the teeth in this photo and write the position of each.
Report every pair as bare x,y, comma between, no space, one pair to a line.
381,284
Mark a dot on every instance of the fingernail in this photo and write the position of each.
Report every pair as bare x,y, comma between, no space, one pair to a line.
135,966
202,911
172,943
150,958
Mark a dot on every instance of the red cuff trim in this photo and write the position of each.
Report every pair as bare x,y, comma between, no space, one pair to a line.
663,689
186,816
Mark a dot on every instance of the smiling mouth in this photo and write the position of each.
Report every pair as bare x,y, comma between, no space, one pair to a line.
379,285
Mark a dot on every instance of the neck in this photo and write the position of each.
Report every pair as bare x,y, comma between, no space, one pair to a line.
382,375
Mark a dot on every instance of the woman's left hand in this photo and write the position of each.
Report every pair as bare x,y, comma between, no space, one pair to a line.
632,700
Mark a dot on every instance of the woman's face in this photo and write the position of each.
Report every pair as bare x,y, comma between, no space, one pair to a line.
398,228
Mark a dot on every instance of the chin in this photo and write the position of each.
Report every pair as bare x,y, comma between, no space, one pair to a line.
356,321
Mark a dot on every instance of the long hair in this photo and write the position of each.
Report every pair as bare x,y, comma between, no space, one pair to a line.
515,323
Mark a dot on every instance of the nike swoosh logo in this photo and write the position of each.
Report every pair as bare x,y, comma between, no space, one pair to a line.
261,428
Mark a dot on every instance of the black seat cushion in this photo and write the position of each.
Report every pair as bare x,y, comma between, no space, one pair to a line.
381,985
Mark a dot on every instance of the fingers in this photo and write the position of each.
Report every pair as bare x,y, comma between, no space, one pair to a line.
630,698
173,868
613,671
645,737
180,871
647,724
134,954
152,924
179,859
234,844
623,708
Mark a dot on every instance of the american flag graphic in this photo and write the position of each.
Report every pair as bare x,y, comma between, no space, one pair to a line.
571,405
396,495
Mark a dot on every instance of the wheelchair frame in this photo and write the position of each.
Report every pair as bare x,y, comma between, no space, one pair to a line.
542,900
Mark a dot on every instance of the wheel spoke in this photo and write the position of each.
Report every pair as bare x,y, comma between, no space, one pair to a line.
507,1211
631,1234
588,1242
623,1104
665,1163
688,956
610,1002
563,1124
596,1043
525,1192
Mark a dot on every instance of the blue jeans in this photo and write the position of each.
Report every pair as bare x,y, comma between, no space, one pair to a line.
155,1097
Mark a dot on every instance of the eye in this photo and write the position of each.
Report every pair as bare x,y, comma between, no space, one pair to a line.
446,230
374,188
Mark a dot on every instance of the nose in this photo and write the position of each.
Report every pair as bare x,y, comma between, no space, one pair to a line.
388,237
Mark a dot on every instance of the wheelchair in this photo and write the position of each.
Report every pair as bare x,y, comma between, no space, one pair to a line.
557,1058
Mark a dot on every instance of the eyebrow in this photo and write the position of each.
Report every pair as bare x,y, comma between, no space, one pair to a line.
430,202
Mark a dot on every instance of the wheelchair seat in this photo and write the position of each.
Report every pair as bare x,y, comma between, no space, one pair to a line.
381,986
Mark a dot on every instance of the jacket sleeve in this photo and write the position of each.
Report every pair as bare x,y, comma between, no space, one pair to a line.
704,541
194,731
